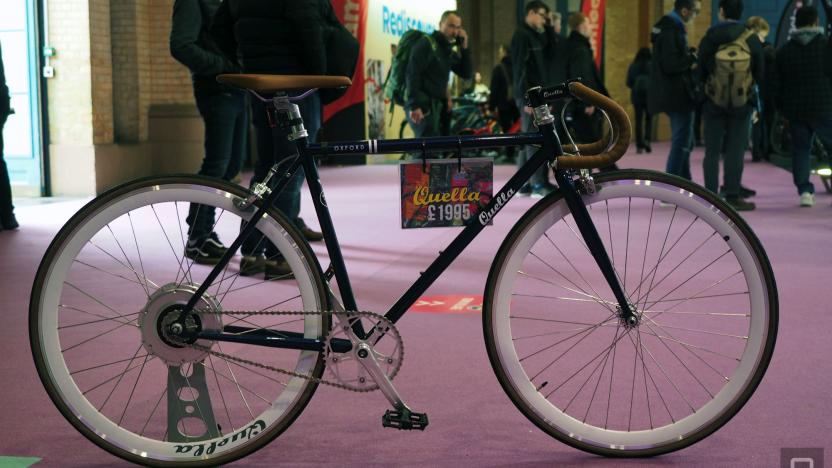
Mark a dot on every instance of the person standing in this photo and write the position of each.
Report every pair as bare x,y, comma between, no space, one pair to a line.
765,106
638,80
7,218
803,94
730,62
282,37
223,110
532,49
671,80
427,97
580,63
501,100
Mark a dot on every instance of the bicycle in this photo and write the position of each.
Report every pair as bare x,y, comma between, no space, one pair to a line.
631,345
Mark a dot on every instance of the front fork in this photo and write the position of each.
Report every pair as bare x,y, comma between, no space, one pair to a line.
574,201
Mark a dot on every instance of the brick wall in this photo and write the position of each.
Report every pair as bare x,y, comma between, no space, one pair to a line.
171,81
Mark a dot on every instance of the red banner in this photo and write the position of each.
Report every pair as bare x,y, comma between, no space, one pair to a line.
353,15
594,10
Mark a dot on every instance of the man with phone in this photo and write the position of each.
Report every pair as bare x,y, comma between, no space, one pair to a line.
431,61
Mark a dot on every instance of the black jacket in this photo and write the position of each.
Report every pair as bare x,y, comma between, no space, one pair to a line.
502,91
556,56
428,70
5,99
723,33
192,45
801,79
539,59
670,70
274,36
637,75
580,63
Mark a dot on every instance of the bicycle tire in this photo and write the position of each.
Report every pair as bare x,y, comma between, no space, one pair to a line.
616,440
102,430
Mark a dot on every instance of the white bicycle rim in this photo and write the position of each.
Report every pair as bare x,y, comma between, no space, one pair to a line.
108,431
622,440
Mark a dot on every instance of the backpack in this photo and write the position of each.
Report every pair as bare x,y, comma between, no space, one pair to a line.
730,84
396,82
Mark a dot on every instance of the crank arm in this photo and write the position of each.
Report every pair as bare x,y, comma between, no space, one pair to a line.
367,357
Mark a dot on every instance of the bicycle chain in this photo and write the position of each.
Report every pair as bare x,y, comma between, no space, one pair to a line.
318,380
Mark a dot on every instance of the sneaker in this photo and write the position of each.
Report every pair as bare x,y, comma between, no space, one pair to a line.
739,204
278,269
807,199
308,233
205,251
9,223
525,190
542,189
251,265
745,192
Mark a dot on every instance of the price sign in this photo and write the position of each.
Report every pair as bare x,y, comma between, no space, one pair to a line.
439,194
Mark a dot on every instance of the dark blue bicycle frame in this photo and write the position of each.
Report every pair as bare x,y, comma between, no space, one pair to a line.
550,149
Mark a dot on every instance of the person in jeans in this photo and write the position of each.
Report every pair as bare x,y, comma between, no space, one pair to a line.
638,80
7,218
281,37
803,94
501,100
672,83
223,110
727,129
534,53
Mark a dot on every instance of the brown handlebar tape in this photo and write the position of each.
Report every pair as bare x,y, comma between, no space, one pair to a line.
620,127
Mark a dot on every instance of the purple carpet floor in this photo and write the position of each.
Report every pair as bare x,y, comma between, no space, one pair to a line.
446,372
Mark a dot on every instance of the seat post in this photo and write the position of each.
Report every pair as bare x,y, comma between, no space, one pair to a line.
291,119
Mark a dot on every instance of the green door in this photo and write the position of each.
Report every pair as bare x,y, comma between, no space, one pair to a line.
22,132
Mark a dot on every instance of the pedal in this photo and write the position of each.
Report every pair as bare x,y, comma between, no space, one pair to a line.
405,420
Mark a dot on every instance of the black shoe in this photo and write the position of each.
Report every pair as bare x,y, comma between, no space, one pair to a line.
525,190
309,234
278,269
745,192
739,204
251,265
648,148
542,189
205,251
9,223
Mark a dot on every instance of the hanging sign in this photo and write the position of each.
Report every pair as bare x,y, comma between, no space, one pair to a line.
437,193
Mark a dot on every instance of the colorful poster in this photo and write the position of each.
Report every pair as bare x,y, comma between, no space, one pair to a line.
353,15
594,10
439,194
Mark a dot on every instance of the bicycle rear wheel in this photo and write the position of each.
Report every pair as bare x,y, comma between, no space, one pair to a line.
107,284
704,294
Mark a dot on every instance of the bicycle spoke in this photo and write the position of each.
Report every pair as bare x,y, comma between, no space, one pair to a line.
573,267
184,247
147,280
108,273
688,279
598,382
597,300
236,383
155,407
144,286
646,245
121,376
170,243
688,349
138,251
108,364
102,317
219,387
706,289
133,391
565,352
666,376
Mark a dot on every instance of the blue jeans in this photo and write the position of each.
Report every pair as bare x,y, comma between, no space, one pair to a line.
803,134
226,141
527,152
273,146
678,161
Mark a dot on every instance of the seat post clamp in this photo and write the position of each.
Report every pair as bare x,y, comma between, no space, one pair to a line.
292,120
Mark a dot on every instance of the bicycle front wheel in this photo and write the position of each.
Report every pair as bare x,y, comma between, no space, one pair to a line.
703,292
111,280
